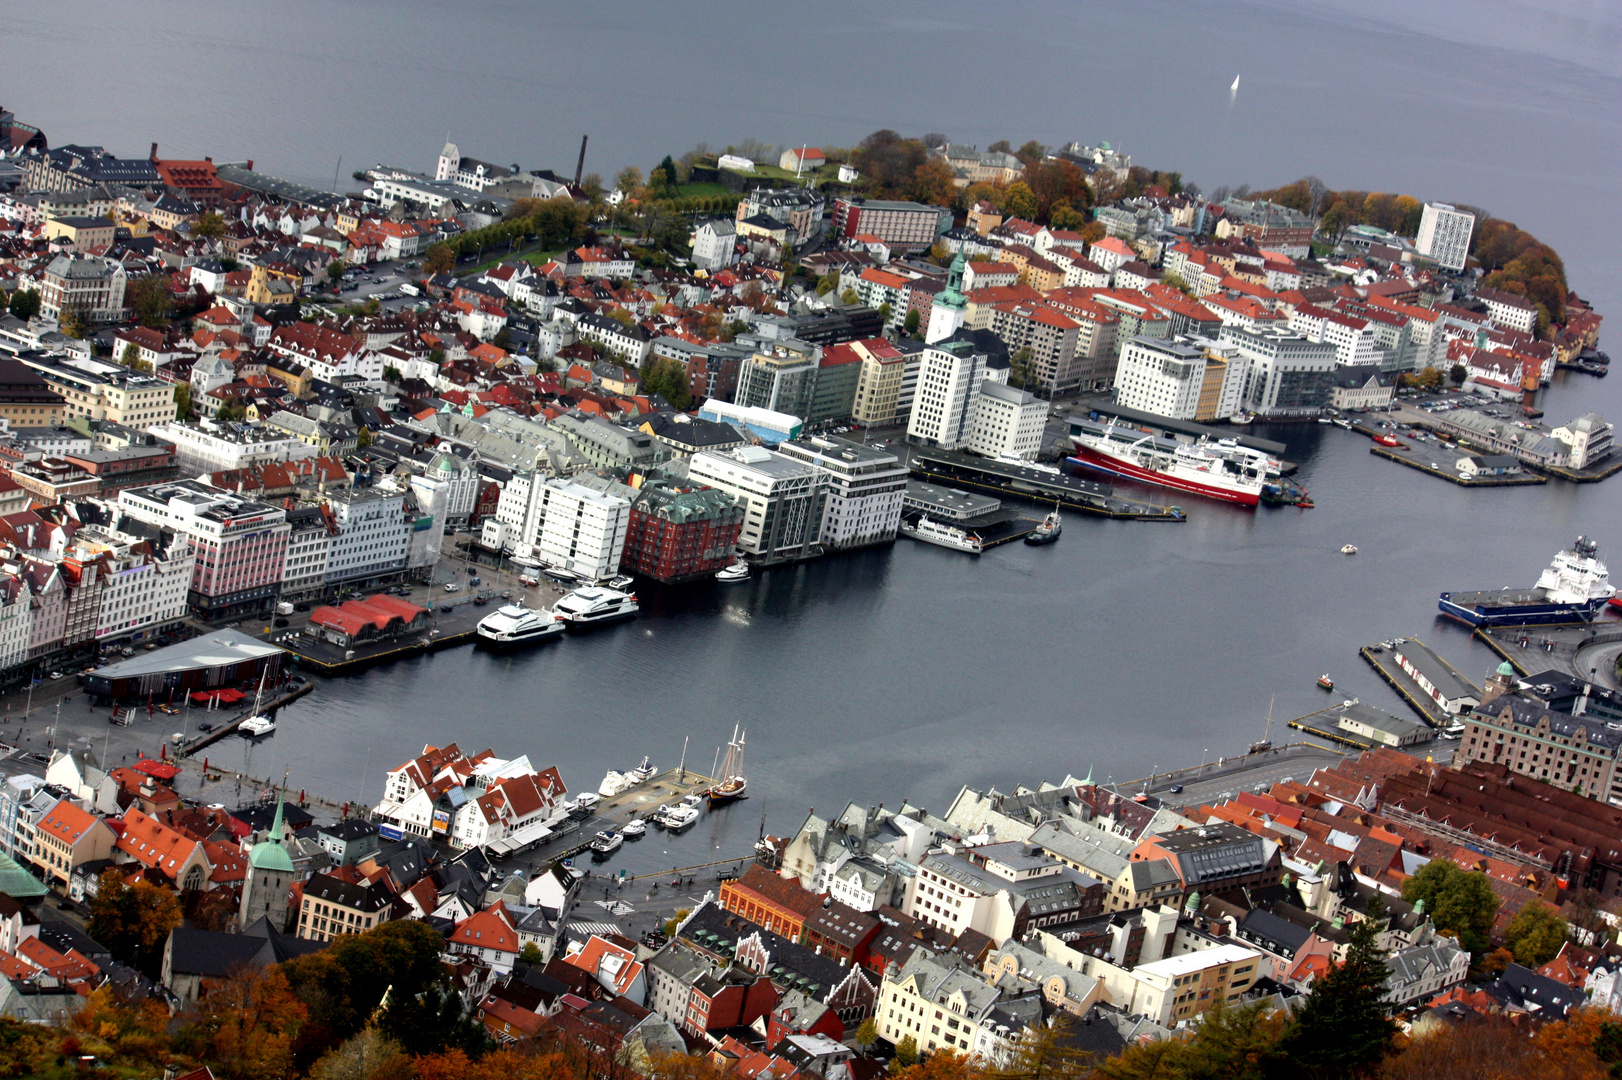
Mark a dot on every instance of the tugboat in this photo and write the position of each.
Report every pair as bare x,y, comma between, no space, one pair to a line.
1048,531
1325,682
732,786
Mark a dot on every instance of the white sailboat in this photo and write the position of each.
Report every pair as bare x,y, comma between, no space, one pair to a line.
1234,89
258,724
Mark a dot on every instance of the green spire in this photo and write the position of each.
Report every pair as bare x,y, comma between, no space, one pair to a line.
952,296
1089,779
269,854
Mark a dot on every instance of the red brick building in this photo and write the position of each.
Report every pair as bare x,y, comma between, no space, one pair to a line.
679,534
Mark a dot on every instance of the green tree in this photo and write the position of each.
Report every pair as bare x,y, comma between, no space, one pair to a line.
439,260
884,313
1535,934
151,300
133,921
1031,152
182,400
664,178
1044,1052
335,270
1020,374
1457,374
1458,901
913,321
365,1055
72,324
628,181
867,1034
209,226
131,355
24,304
363,439
906,1051
848,297
827,283
1344,1028
433,1021
231,411
1018,201
531,954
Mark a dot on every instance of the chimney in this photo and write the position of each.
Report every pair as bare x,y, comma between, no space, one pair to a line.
154,154
208,159
249,164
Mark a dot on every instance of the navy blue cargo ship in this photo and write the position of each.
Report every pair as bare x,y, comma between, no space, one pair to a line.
1574,588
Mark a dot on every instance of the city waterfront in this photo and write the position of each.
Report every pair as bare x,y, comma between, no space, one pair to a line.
1124,648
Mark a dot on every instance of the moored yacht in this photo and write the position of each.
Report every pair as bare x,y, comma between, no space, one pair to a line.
255,726
513,626
644,771
606,843
738,571
594,604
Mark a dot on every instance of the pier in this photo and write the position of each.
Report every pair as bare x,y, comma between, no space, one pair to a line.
1035,484
572,837
1439,461
1382,657
229,727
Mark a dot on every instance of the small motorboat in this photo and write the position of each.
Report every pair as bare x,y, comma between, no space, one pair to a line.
567,577
738,571
634,828
606,843
1348,549
1325,420
680,817
621,582
1325,682
588,800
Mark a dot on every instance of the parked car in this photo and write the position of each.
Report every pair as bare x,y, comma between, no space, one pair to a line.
451,586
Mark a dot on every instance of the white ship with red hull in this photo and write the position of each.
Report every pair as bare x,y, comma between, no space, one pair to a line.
1222,470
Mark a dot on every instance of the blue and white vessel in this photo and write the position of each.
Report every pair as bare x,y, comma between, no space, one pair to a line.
1574,588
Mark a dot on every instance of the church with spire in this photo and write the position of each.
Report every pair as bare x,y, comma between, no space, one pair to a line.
270,876
950,307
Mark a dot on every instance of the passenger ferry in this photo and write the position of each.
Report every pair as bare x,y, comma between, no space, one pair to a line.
513,626
942,535
594,604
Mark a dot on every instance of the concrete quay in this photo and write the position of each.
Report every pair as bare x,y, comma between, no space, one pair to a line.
1589,651
1382,658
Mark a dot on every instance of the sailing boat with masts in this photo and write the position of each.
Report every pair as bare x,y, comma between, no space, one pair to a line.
732,785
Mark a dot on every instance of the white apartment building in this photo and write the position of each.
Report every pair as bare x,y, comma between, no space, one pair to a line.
88,286
1160,376
782,499
948,394
15,622
1352,337
145,581
451,484
1008,422
201,449
374,534
715,244
581,529
1444,234
102,391
1290,375
305,570
865,488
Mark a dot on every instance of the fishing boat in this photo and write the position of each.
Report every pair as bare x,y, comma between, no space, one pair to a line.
1048,531
732,786
644,772
606,843
1325,682
738,571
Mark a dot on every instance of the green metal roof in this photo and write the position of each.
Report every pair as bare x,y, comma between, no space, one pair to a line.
18,883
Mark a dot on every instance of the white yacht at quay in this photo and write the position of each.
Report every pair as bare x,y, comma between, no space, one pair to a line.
594,604
514,626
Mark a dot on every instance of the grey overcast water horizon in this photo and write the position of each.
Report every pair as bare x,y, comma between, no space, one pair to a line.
909,671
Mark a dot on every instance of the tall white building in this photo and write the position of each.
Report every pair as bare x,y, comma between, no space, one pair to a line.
374,534
200,450
1444,234
948,393
865,487
581,529
1160,376
1008,422
1290,375
782,498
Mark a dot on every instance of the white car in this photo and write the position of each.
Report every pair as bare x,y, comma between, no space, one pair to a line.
451,586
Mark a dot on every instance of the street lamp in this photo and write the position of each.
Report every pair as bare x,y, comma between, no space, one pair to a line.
1203,754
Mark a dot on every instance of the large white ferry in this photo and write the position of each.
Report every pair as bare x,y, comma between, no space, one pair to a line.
513,626
942,535
1218,470
594,604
